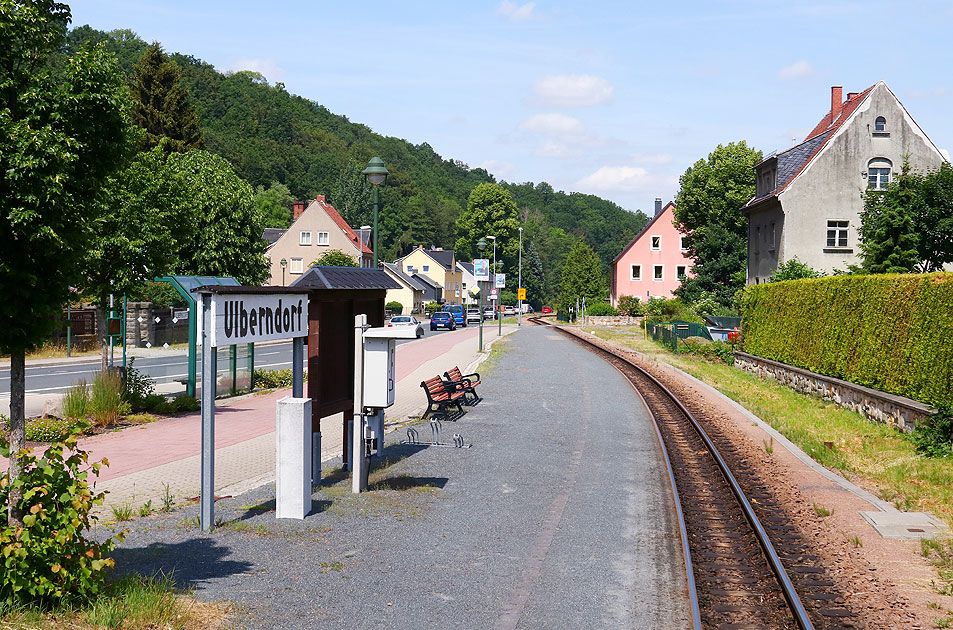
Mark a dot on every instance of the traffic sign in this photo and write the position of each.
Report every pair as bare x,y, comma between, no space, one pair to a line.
493,294
521,293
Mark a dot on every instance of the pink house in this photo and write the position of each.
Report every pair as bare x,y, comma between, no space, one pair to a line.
655,262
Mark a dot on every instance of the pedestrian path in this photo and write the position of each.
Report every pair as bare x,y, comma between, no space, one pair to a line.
162,459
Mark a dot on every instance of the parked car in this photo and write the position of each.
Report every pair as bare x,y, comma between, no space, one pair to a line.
442,319
488,312
473,315
546,309
459,315
407,321
509,310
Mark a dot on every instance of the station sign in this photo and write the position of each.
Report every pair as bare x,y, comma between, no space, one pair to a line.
250,318
481,269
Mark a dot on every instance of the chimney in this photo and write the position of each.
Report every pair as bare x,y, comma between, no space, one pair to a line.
297,208
837,100
851,95
658,206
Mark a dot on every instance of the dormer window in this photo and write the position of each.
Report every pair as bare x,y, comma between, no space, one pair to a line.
880,124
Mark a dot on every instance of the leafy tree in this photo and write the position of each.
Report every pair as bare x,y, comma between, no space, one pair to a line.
335,258
708,210
274,205
228,227
794,269
631,306
61,134
888,240
161,103
933,218
490,211
533,275
582,277
351,195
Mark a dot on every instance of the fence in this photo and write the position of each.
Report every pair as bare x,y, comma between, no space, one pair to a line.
668,333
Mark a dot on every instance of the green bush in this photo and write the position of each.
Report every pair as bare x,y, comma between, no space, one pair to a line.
394,308
601,309
157,403
50,429
630,306
659,309
184,403
431,308
105,400
136,386
50,561
76,400
934,437
887,331
718,351
273,379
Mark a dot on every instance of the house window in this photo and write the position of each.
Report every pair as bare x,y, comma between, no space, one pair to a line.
757,240
837,233
658,272
323,238
297,265
656,243
880,124
426,268
878,173
683,243
680,271
304,238
636,272
772,238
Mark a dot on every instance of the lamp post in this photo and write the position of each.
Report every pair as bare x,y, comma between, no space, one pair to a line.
361,246
496,305
284,263
376,175
481,245
519,284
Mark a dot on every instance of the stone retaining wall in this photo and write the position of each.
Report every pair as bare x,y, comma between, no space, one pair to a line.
897,411
612,320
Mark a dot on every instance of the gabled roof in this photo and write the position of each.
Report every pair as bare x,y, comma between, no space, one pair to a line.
793,161
271,235
340,222
320,277
443,257
466,266
426,280
644,230
411,281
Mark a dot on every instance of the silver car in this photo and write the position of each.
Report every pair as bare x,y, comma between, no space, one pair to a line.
407,321
473,315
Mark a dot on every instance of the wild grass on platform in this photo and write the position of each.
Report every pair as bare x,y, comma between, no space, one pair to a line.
871,454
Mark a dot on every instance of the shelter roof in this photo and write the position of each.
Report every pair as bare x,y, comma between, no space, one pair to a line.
334,278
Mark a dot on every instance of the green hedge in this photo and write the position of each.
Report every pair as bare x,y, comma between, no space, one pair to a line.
890,332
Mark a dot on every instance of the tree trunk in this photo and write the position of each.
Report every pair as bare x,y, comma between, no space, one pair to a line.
17,433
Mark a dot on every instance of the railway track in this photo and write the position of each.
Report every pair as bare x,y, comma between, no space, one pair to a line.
747,565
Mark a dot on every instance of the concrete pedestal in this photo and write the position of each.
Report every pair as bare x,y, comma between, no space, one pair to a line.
293,449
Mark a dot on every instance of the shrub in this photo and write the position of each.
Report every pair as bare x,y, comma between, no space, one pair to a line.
630,306
601,308
49,561
431,308
887,331
76,400
157,403
185,403
273,379
136,386
395,308
50,429
659,309
719,351
934,437
105,401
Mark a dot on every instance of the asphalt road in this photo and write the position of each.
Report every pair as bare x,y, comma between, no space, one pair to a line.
48,378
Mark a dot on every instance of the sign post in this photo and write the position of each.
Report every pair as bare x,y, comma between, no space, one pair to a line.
481,271
500,284
233,315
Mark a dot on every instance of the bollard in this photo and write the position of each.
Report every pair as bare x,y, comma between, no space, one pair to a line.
293,450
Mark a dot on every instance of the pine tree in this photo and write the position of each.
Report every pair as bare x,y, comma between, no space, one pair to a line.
161,103
888,236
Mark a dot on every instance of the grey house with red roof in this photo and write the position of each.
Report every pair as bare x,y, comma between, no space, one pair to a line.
809,198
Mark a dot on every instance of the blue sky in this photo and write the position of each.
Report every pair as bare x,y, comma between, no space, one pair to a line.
611,98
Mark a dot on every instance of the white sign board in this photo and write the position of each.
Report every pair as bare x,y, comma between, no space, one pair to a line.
501,281
493,293
481,269
250,318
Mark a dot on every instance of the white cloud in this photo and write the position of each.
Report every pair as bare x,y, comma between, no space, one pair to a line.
796,70
568,90
516,12
624,179
653,158
266,67
552,149
499,168
553,124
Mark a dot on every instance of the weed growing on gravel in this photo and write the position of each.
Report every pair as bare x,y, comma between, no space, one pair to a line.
769,446
821,511
122,512
168,499
146,508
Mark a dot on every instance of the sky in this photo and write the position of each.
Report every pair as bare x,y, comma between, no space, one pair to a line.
615,99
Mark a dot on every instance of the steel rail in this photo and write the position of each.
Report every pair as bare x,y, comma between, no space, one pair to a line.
798,611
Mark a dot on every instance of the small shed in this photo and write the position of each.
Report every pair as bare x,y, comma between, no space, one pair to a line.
335,296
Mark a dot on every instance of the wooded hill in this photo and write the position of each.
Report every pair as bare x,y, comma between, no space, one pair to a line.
270,135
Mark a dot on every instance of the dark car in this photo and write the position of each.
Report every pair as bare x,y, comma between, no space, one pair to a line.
442,319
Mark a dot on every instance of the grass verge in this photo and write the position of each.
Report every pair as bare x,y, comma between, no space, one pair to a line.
130,603
875,455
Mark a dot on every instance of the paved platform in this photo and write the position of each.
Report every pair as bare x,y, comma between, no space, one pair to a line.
560,516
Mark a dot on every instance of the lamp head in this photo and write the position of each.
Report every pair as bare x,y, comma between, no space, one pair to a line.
375,172
283,262
481,244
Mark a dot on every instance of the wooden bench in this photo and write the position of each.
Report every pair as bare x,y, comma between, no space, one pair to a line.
465,382
441,397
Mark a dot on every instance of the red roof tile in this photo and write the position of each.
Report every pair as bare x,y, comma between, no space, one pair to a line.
337,218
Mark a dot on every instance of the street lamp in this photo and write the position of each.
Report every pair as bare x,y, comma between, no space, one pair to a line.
361,245
496,313
481,245
376,175
284,263
519,284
